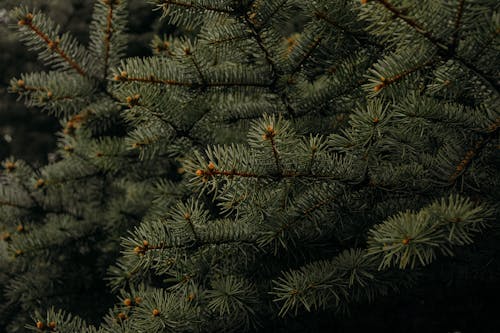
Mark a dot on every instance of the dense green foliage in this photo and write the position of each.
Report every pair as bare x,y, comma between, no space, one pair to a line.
28,133
272,158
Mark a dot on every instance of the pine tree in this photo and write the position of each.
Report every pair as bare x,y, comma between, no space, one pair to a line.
272,158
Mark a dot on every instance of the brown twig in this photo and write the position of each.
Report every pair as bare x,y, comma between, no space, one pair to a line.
107,38
52,44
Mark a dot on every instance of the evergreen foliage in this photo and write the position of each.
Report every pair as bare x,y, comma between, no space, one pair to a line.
271,158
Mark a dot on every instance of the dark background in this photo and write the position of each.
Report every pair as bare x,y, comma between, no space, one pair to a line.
459,297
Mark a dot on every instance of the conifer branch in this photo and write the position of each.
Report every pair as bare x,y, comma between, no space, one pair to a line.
194,6
198,69
276,155
474,151
66,180
11,204
107,34
34,201
260,43
418,27
448,51
226,40
257,3
384,82
258,38
307,55
318,205
480,50
38,209
195,263
153,80
187,217
311,161
211,172
356,36
51,44
146,247
458,20
493,85
22,88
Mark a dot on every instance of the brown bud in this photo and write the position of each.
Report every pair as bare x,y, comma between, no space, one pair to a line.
40,325
270,133
26,20
10,166
156,313
40,183
133,100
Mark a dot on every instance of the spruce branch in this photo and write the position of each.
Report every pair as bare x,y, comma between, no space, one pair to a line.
474,151
456,26
359,37
198,68
409,238
107,37
267,9
384,82
309,52
219,41
269,135
260,42
107,33
52,44
417,26
194,5
154,80
276,73
209,173
492,84
236,223
13,204
319,205
58,93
